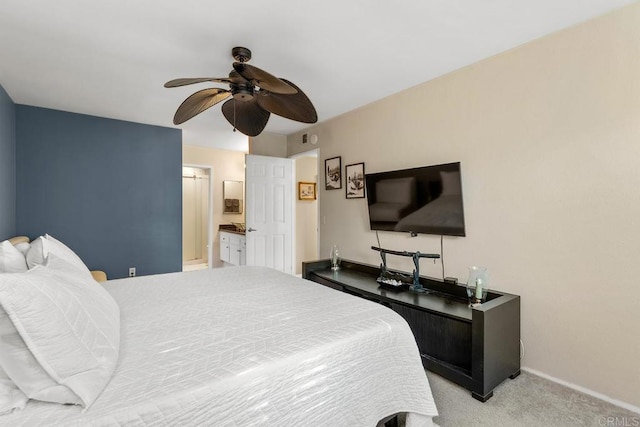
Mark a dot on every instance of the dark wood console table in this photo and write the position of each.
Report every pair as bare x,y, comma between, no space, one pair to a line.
477,348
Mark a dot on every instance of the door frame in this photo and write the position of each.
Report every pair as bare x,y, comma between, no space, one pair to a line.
209,210
317,155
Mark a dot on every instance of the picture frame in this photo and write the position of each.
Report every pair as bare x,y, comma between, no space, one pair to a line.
354,181
306,190
333,173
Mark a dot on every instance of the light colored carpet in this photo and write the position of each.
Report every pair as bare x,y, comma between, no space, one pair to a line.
526,401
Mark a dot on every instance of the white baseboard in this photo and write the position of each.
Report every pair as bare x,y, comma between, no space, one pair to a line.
584,390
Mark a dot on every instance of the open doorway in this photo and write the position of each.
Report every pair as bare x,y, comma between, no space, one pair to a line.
196,217
307,236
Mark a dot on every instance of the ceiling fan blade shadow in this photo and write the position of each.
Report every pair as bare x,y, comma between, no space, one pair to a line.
198,102
190,81
246,116
296,107
262,79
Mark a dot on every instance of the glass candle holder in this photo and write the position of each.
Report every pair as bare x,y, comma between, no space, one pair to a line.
335,258
477,285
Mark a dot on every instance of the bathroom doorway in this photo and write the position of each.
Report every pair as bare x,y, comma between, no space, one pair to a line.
196,217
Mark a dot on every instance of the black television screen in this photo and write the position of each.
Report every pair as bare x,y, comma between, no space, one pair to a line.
420,200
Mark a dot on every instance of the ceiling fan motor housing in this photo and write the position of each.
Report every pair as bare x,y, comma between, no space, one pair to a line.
242,92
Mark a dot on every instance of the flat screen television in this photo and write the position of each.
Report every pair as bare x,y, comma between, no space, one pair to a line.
424,200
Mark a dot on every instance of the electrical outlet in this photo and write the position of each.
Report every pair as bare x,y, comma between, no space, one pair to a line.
132,272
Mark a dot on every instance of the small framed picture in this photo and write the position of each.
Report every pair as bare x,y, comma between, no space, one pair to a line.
332,173
306,190
354,184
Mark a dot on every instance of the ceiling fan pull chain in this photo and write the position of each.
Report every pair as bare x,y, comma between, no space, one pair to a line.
234,115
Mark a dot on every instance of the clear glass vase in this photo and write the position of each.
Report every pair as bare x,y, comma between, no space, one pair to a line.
477,285
335,258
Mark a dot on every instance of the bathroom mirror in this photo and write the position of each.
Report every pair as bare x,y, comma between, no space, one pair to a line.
232,196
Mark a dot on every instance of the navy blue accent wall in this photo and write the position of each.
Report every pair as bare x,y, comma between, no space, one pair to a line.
109,189
7,166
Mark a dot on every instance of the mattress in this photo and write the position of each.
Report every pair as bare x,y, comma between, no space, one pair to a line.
250,346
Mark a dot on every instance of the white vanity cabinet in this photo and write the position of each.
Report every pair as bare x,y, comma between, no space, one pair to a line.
233,248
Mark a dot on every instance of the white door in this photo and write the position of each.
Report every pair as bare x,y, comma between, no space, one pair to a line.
270,212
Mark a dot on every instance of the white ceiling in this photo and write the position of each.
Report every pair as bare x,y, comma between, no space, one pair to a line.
110,58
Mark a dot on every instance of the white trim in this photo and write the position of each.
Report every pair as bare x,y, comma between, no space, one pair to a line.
313,153
294,198
584,390
210,214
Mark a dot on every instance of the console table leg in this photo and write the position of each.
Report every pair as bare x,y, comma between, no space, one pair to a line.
515,374
480,397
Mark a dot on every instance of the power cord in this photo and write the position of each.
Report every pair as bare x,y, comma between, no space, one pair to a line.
442,255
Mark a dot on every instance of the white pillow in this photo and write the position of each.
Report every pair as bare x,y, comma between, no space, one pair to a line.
69,324
44,245
23,247
24,369
36,254
54,246
11,260
10,395
11,398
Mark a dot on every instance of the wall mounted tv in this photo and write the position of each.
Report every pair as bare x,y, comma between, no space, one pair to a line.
424,200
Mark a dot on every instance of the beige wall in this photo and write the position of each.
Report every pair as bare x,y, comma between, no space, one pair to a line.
268,144
306,215
227,165
548,135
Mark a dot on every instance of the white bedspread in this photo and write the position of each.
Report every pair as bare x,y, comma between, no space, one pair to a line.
249,346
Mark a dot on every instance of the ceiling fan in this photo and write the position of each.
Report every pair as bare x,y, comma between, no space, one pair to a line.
255,95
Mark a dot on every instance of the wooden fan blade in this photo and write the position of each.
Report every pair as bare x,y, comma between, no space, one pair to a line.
246,116
262,79
198,102
184,82
296,107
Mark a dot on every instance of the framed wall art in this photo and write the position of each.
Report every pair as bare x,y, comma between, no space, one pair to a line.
306,190
354,183
332,173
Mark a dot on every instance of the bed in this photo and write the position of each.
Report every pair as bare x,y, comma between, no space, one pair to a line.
250,346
